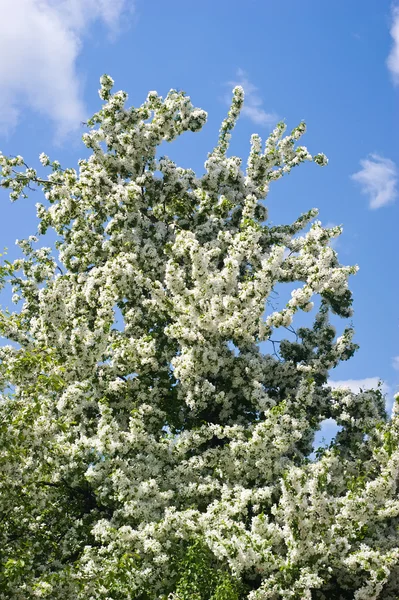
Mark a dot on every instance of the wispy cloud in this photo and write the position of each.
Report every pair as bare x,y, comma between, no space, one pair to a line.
40,41
395,363
253,104
369,383
393,58
355,385
378,179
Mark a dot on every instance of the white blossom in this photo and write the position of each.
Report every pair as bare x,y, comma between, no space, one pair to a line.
142,427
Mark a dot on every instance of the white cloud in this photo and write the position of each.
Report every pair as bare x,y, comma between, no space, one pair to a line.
356,384
378,179
393,58
252,108
395,363
40,41
366,384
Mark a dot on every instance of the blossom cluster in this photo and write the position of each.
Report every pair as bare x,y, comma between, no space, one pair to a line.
140,419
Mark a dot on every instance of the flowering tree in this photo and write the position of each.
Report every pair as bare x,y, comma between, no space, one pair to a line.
149,449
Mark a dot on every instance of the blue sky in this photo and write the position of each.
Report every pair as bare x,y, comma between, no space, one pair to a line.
333,64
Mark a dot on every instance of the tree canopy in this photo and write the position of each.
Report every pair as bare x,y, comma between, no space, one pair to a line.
150,449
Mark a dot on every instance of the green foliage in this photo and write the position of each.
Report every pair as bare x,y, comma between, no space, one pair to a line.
200,577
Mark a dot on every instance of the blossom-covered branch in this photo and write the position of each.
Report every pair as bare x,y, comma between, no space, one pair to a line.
149,448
